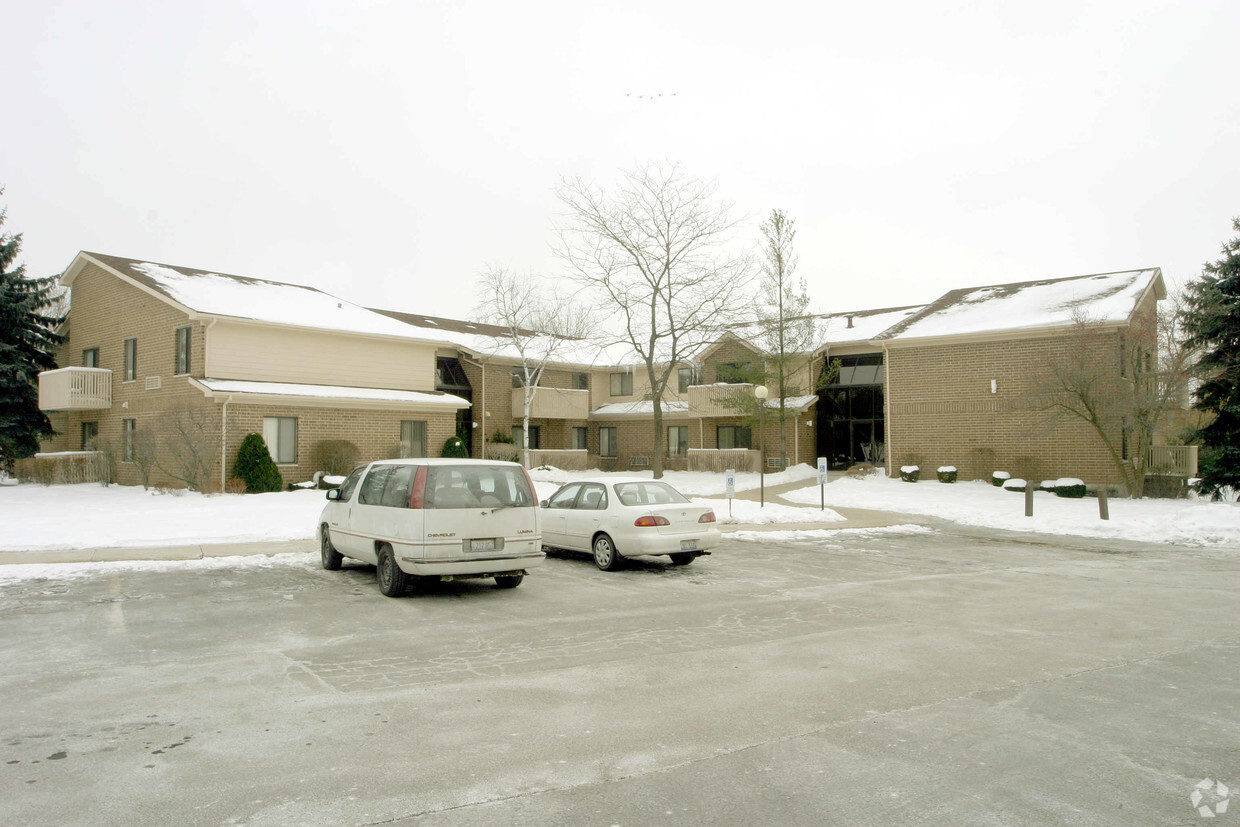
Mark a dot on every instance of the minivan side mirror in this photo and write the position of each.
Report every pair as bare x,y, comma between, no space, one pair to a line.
333,493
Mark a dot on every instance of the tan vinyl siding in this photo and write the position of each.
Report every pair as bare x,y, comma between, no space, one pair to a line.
276,354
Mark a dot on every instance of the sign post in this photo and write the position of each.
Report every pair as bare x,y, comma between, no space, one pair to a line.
730,489
822,482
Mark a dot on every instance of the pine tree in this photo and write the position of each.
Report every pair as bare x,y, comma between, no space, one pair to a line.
1212,324
255,466
28,345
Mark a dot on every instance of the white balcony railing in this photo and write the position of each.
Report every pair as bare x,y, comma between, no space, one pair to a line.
1173,460
75,389
552,403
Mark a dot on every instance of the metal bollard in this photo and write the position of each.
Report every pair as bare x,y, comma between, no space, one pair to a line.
1028,499
1104,513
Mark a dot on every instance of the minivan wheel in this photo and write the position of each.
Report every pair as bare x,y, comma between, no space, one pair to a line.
605,555
392,581
682,559
509,581
331,557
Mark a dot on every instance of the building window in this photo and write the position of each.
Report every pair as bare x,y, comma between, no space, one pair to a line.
1123,438
518,435
182,350
280,434
412,438
622,384
678,440
518,377
1123,357
733,436
734,373
607,444
90,435
127,429
684,378
579,438
90,357
131,359
581,382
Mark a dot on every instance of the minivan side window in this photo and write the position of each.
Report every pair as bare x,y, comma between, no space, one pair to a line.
372,486
350,482
396,492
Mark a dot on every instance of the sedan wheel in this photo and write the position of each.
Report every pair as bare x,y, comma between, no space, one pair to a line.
331,557
605,554
392,581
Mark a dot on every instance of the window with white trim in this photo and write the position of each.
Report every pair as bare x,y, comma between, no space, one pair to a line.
182,358
622,384
412,438
131,360
280,434
607,443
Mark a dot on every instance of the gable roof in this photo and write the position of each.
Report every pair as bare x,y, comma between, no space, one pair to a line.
241,297
450,325
1031,305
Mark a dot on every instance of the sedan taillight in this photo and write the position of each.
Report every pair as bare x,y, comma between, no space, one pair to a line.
708,517
649,521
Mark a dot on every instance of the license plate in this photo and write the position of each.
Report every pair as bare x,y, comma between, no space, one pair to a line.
688,545
482,545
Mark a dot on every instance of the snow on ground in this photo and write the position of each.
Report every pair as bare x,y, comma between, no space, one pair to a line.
689,483
41,518
64,571
1182,522
819,534
747,512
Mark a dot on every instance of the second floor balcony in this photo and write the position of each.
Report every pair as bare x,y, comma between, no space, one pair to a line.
552,403
720,399
75,389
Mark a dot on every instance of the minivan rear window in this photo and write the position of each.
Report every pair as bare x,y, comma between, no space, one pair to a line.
473,486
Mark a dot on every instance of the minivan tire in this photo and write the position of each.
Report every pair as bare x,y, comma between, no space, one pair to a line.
509,581
605,555
331,558
392,581
683,559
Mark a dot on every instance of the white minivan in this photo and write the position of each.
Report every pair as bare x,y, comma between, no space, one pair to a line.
439,519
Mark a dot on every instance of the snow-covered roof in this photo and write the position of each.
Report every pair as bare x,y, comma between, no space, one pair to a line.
795,403
421,399
642,406
218,294
1031,305
863,325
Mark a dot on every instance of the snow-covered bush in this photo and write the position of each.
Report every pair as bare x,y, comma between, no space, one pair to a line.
860,471
999,477
1047,485
1069,488
947,473
455,447
909,473
1014,485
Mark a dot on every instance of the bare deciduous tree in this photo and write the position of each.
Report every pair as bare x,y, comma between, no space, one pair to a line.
538,329
1125,402
143,449
655,252
190,436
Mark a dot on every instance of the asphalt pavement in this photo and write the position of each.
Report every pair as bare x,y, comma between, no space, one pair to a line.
925,675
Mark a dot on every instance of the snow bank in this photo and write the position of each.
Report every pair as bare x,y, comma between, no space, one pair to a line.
1178,522
689,483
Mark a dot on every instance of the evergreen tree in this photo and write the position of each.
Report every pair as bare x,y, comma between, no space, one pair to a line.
28,343
255,466
1212,324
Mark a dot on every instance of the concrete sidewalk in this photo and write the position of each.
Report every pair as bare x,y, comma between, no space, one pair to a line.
853,518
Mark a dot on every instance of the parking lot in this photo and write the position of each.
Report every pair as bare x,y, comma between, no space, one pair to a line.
911,675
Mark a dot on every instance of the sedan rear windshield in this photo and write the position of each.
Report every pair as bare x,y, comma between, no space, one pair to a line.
464,486
648,493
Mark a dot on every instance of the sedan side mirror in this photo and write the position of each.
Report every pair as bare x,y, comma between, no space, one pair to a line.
545,504
333,494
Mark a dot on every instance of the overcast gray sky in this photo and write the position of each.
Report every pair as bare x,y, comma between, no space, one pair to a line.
387,152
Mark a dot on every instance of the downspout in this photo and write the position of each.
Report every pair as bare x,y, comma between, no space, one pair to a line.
224,443
887,406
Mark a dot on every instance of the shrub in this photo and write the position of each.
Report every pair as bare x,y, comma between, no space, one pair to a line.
909,473
255,466
502,436
455,447
1015,485
947,473
860,471
235,485
1069,488
334,456
999,477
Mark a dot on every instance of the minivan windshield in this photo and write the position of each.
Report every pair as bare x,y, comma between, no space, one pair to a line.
477,486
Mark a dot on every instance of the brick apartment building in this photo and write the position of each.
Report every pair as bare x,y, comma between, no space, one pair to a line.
154,348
